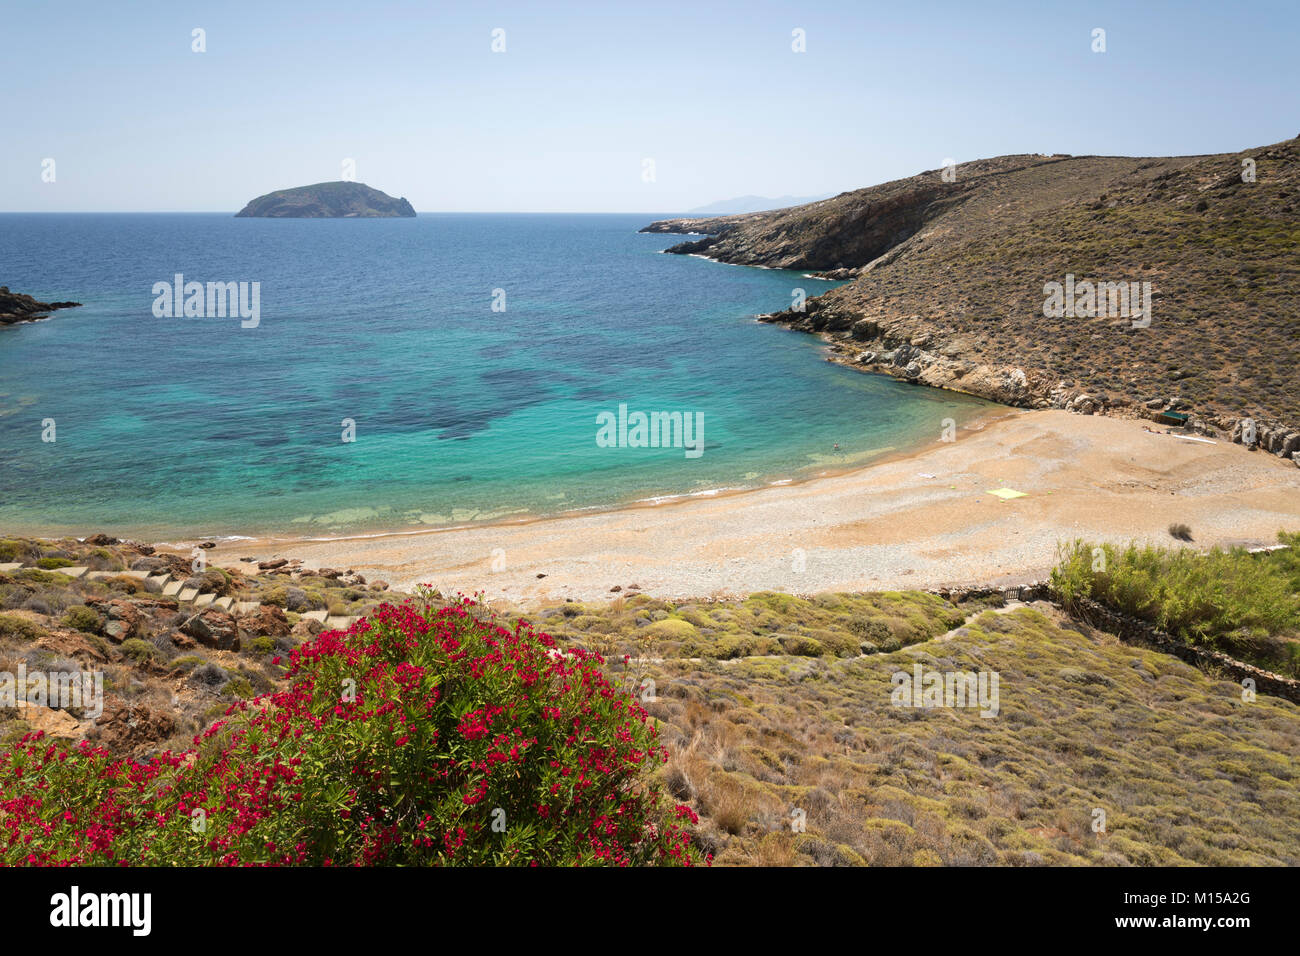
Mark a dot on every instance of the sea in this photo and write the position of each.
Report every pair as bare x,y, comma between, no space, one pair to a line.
408,374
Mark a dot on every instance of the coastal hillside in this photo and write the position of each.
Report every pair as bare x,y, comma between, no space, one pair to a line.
771,710
948,282
338,200
779,708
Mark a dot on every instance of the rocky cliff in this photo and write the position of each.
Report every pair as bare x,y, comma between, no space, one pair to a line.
949,282
340,200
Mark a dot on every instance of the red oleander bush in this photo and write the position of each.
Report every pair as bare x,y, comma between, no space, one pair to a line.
424,735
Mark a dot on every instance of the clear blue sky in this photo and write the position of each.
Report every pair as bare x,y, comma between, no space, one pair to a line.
709,89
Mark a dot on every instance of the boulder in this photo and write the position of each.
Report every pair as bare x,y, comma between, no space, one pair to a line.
54,723
307,627
123,619
69,643
125,726
213,628
272,564
209,580
904,355
267,621
295,599
865,329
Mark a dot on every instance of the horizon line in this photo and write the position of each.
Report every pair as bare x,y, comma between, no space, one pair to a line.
431,212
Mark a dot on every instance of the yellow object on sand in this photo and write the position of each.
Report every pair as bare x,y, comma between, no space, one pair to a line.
1007,493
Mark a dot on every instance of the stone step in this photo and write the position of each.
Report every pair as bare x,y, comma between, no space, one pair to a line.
315,615
224,603
204,599
75,572
96,575
138,575
173,589
158,579
11,566
187,594
246,607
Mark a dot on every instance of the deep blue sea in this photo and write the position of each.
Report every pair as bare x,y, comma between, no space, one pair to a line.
184,427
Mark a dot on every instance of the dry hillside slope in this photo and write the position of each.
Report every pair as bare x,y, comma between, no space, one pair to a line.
948,282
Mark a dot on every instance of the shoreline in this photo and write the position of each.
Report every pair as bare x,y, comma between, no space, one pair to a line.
912,520
885,455
177,540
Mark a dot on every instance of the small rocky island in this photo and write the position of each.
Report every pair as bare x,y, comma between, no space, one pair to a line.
338,200
16,307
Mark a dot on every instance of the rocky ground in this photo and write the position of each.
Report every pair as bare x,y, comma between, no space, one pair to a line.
176,645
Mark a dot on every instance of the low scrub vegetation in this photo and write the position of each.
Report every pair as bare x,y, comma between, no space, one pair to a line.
1247,605
1184,770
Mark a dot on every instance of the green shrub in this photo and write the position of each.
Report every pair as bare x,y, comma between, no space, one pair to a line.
39,576
139,651
1202,598
874,630
49,564
800,646
672,629
82,618
12,549
18,628
237,686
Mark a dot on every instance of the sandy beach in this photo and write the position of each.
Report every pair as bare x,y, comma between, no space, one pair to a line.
923,519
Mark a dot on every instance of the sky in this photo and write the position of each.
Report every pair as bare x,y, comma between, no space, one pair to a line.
587,100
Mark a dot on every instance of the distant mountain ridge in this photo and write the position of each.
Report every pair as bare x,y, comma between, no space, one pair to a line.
744,204
336,200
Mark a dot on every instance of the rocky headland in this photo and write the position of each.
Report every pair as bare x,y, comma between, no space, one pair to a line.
337,200
16,307
947,273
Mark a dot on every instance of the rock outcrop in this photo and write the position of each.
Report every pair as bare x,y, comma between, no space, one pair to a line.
16,307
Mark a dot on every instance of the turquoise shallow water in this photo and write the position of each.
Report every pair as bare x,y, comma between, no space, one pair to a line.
179,427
